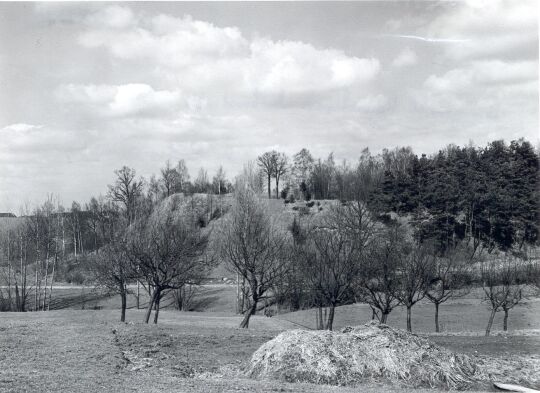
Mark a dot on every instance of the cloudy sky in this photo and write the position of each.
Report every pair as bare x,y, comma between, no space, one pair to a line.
88,87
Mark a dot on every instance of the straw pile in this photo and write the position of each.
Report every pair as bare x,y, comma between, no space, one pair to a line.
371,352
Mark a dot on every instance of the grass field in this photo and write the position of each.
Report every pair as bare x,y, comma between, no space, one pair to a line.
76,350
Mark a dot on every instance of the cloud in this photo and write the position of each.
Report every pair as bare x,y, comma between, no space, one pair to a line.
491,72
116,17
21,127
372,103
407,57
134,99
286,67
483,84
489,29
200,55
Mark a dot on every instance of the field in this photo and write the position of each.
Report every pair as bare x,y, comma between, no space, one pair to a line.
76,350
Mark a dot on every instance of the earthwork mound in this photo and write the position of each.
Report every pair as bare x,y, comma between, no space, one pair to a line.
371,352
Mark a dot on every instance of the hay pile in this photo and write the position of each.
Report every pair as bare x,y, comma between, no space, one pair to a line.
371,352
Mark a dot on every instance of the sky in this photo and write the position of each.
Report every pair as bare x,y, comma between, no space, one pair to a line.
86,88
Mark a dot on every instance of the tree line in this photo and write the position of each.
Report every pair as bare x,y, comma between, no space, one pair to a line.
400,229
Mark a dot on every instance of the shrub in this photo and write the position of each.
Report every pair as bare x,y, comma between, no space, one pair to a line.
304,210
310,204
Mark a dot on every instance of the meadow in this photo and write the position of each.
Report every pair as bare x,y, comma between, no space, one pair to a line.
88,350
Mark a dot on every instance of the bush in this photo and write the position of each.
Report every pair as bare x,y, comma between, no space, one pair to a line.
310,204
304,210
295,207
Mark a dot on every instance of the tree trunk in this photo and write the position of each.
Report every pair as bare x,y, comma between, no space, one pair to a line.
437,328
269,187
505,321
18,306
150,305
36,290
123,296
247,315
320,326
138,293
52,279
409,324
9,272
238,293
156,308
330,320
490,322
46,282
277,188
384,317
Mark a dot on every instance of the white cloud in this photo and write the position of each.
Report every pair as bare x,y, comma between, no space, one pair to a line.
490,29
490,73
121,100
484,84
372,103
407,57
114,16
21,127
201,55
295,67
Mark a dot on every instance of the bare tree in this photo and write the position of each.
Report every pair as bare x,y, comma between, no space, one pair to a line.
167,249
503,282
110,265
183,176
378,283
280,168
450,277
112,270
219,182
170,179
202,183
415,274
267,163
302,166
126,189
330,262
252,246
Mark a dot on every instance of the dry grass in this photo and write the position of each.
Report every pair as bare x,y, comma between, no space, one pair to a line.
463,316
88,351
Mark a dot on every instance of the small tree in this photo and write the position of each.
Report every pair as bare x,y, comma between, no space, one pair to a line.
450,278
253,246
111,270
167,249
330,264
503,282
378,284
126,190
280,169
267,163
415,274
170,179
